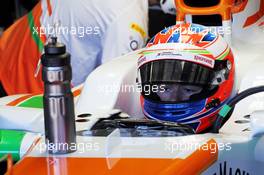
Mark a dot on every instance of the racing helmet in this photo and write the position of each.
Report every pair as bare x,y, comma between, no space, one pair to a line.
186,73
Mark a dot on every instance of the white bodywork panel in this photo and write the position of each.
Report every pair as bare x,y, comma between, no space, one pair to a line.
100,95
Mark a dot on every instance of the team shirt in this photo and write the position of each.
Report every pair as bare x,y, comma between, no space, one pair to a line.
94,32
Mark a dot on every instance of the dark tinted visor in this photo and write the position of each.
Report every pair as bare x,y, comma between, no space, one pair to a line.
175,71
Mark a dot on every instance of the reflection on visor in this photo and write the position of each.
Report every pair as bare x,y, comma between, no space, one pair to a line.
175,71
177,92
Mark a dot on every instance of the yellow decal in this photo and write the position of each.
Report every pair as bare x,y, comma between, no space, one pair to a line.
138,29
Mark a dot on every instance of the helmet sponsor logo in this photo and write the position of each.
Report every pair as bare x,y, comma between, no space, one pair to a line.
187,33
141,60
170,54
204,60
192,38
179,55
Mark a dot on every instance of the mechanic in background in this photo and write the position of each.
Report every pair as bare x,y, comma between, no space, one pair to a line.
94,31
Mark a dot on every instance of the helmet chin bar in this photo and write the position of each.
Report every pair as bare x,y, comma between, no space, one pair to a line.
224,8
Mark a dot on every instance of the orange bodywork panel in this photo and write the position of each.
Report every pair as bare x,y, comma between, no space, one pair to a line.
195,163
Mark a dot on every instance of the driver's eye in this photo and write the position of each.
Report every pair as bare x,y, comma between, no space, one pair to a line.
188,90
167,89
